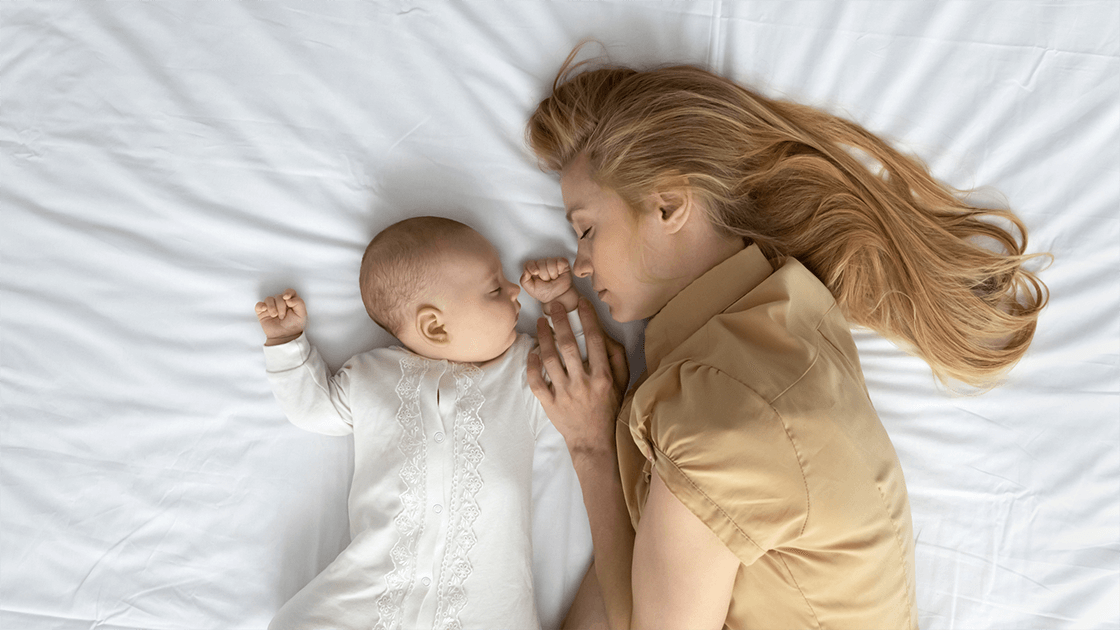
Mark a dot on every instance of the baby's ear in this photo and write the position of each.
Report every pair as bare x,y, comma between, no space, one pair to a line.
430,327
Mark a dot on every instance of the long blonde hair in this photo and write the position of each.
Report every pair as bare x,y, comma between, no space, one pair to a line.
902,253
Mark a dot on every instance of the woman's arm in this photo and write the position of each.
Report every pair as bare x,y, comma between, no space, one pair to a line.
612,536
683,573
673,572
587,612
583,404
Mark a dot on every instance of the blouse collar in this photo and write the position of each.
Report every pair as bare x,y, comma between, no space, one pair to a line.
707,296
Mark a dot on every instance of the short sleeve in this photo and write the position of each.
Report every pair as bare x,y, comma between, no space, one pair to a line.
725,454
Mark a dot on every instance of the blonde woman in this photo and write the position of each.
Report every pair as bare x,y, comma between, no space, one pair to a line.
745,480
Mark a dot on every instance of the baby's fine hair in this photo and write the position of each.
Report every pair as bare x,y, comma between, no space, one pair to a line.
398,265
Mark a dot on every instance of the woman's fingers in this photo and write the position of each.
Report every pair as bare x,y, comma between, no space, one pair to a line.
593,334
565,338
549,356
605,355
620,365
537,384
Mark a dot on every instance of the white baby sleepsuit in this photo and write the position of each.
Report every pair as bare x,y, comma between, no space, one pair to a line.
441,496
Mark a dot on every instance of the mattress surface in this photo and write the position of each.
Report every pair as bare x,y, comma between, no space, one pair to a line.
164,165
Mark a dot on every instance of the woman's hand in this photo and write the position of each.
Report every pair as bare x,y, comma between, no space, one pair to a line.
583,400
282,317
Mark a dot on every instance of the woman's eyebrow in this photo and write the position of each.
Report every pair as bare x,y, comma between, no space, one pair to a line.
574,209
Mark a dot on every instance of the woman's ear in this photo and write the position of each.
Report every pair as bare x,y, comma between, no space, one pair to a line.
430,326
673,207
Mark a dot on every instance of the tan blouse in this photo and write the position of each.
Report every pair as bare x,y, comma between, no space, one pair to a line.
754,413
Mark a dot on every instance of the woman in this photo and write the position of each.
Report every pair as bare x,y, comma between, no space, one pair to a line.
745,480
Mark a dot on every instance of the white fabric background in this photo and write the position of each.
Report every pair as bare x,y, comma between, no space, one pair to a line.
165,164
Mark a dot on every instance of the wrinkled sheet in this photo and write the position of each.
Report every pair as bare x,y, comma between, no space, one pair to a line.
165,164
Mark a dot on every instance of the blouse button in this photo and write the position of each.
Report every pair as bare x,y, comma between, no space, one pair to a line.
426,581
438,508
438,437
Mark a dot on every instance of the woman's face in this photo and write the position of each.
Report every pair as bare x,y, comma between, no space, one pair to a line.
624,255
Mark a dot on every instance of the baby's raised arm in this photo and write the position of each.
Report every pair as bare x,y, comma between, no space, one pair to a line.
311,398
282,317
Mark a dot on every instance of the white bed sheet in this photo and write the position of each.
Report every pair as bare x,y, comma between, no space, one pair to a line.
165,164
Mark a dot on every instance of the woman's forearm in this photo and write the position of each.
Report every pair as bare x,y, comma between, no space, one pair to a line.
611,532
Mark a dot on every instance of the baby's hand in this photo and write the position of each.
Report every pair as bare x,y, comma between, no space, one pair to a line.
550,279
282,317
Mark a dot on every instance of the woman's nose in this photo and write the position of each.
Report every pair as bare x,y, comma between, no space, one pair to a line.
582,265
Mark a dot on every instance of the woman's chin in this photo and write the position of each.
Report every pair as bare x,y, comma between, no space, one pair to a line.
619,314
623,314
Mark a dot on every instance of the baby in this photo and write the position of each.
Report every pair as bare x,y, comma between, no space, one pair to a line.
444,432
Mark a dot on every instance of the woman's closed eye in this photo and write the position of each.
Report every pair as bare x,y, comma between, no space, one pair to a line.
584,234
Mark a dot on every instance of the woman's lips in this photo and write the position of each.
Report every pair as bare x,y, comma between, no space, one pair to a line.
601,293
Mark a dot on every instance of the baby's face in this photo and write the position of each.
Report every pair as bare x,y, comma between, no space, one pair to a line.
479,305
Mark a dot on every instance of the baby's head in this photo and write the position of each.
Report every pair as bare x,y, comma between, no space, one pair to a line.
438,287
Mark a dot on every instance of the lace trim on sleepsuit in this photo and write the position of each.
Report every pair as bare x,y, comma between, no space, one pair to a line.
409,521
465,484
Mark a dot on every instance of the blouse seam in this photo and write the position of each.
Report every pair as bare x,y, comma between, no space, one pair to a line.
804,597
816,356
843,356
882,497
901,550
800,466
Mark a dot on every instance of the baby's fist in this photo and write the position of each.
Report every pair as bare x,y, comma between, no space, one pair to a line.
282,317
547,279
